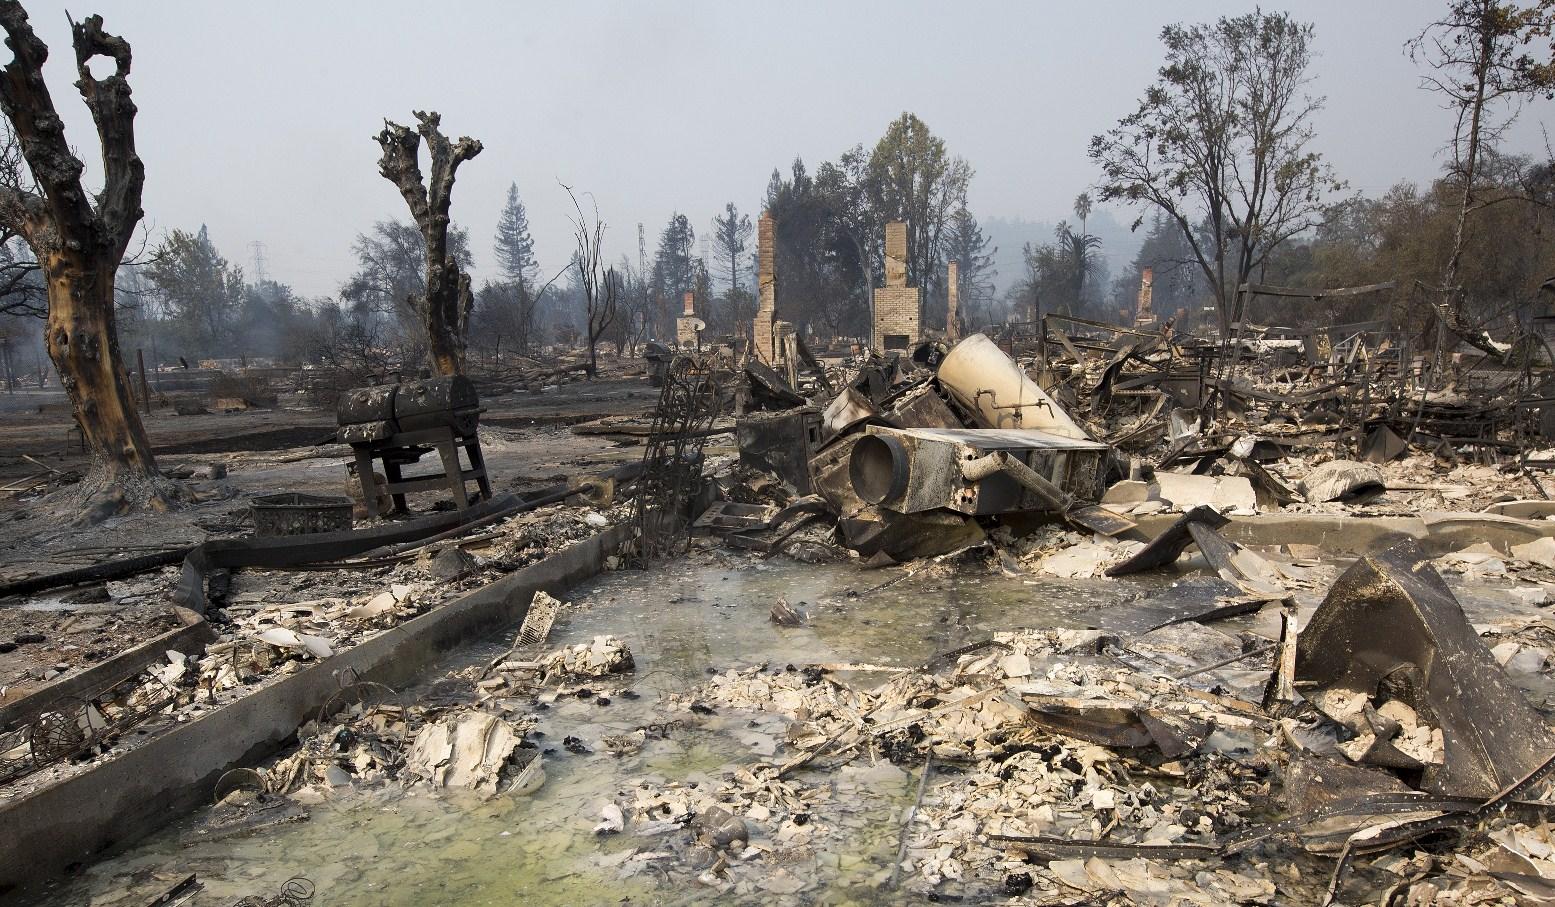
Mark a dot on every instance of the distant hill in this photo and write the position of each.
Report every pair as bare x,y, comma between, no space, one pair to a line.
1010,234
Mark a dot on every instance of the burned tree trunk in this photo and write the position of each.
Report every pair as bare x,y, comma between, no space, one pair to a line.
446,304
79,239
83,343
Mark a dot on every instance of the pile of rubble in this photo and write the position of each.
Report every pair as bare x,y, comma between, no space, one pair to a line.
475,734
269,624
915,456
1183,764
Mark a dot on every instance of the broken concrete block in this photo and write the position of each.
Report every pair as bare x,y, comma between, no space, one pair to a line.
1223,493
612,820
1538,551
1342,480
1519,659
1130,491
1530,595
603,656
1182,423
1523,510
450,564
1081,561
283,638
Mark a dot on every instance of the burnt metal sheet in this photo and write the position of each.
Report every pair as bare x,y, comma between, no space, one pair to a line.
1099,519
1390,625
830,478
905,536
732,516
1169,545
921,407
780,443
1121,725
769,390
1216,550
846,410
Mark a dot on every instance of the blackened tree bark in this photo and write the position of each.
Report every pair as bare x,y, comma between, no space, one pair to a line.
446,306
79,239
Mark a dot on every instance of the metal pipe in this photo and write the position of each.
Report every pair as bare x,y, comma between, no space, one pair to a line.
1000,461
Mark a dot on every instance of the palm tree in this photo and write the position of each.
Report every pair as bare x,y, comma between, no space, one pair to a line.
1082,208
1078,251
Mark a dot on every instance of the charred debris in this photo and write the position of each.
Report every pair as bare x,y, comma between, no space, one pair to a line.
1372,723
1313,717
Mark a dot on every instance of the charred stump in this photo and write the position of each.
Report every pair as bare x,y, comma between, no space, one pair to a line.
445,306
79,239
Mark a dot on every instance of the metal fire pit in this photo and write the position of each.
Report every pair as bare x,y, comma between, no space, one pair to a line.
294,513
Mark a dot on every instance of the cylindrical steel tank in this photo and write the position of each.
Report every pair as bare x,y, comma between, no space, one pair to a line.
993,387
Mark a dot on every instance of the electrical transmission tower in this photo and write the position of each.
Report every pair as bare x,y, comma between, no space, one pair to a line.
258,248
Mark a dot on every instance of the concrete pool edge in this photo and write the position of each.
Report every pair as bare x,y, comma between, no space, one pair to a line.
1438,532
113,804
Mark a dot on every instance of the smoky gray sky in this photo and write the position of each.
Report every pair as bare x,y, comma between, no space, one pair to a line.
257,118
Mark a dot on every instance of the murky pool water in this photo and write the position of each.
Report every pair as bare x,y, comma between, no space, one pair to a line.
385,847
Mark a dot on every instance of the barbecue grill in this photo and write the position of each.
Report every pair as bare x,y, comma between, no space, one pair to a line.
398,424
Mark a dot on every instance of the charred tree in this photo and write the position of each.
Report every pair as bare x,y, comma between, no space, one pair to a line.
79,239
445,306
601,286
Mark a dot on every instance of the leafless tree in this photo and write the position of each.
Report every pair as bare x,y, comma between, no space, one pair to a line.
601,286
448,301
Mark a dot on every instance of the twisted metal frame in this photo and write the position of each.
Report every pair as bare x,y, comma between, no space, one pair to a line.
73,726
692,396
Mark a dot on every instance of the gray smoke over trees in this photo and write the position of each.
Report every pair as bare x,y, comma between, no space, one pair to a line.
1475,60
391,272
965,244
830,227
674,273
201,293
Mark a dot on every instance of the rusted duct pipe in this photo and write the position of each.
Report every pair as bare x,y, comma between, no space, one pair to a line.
995,389
1000,461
